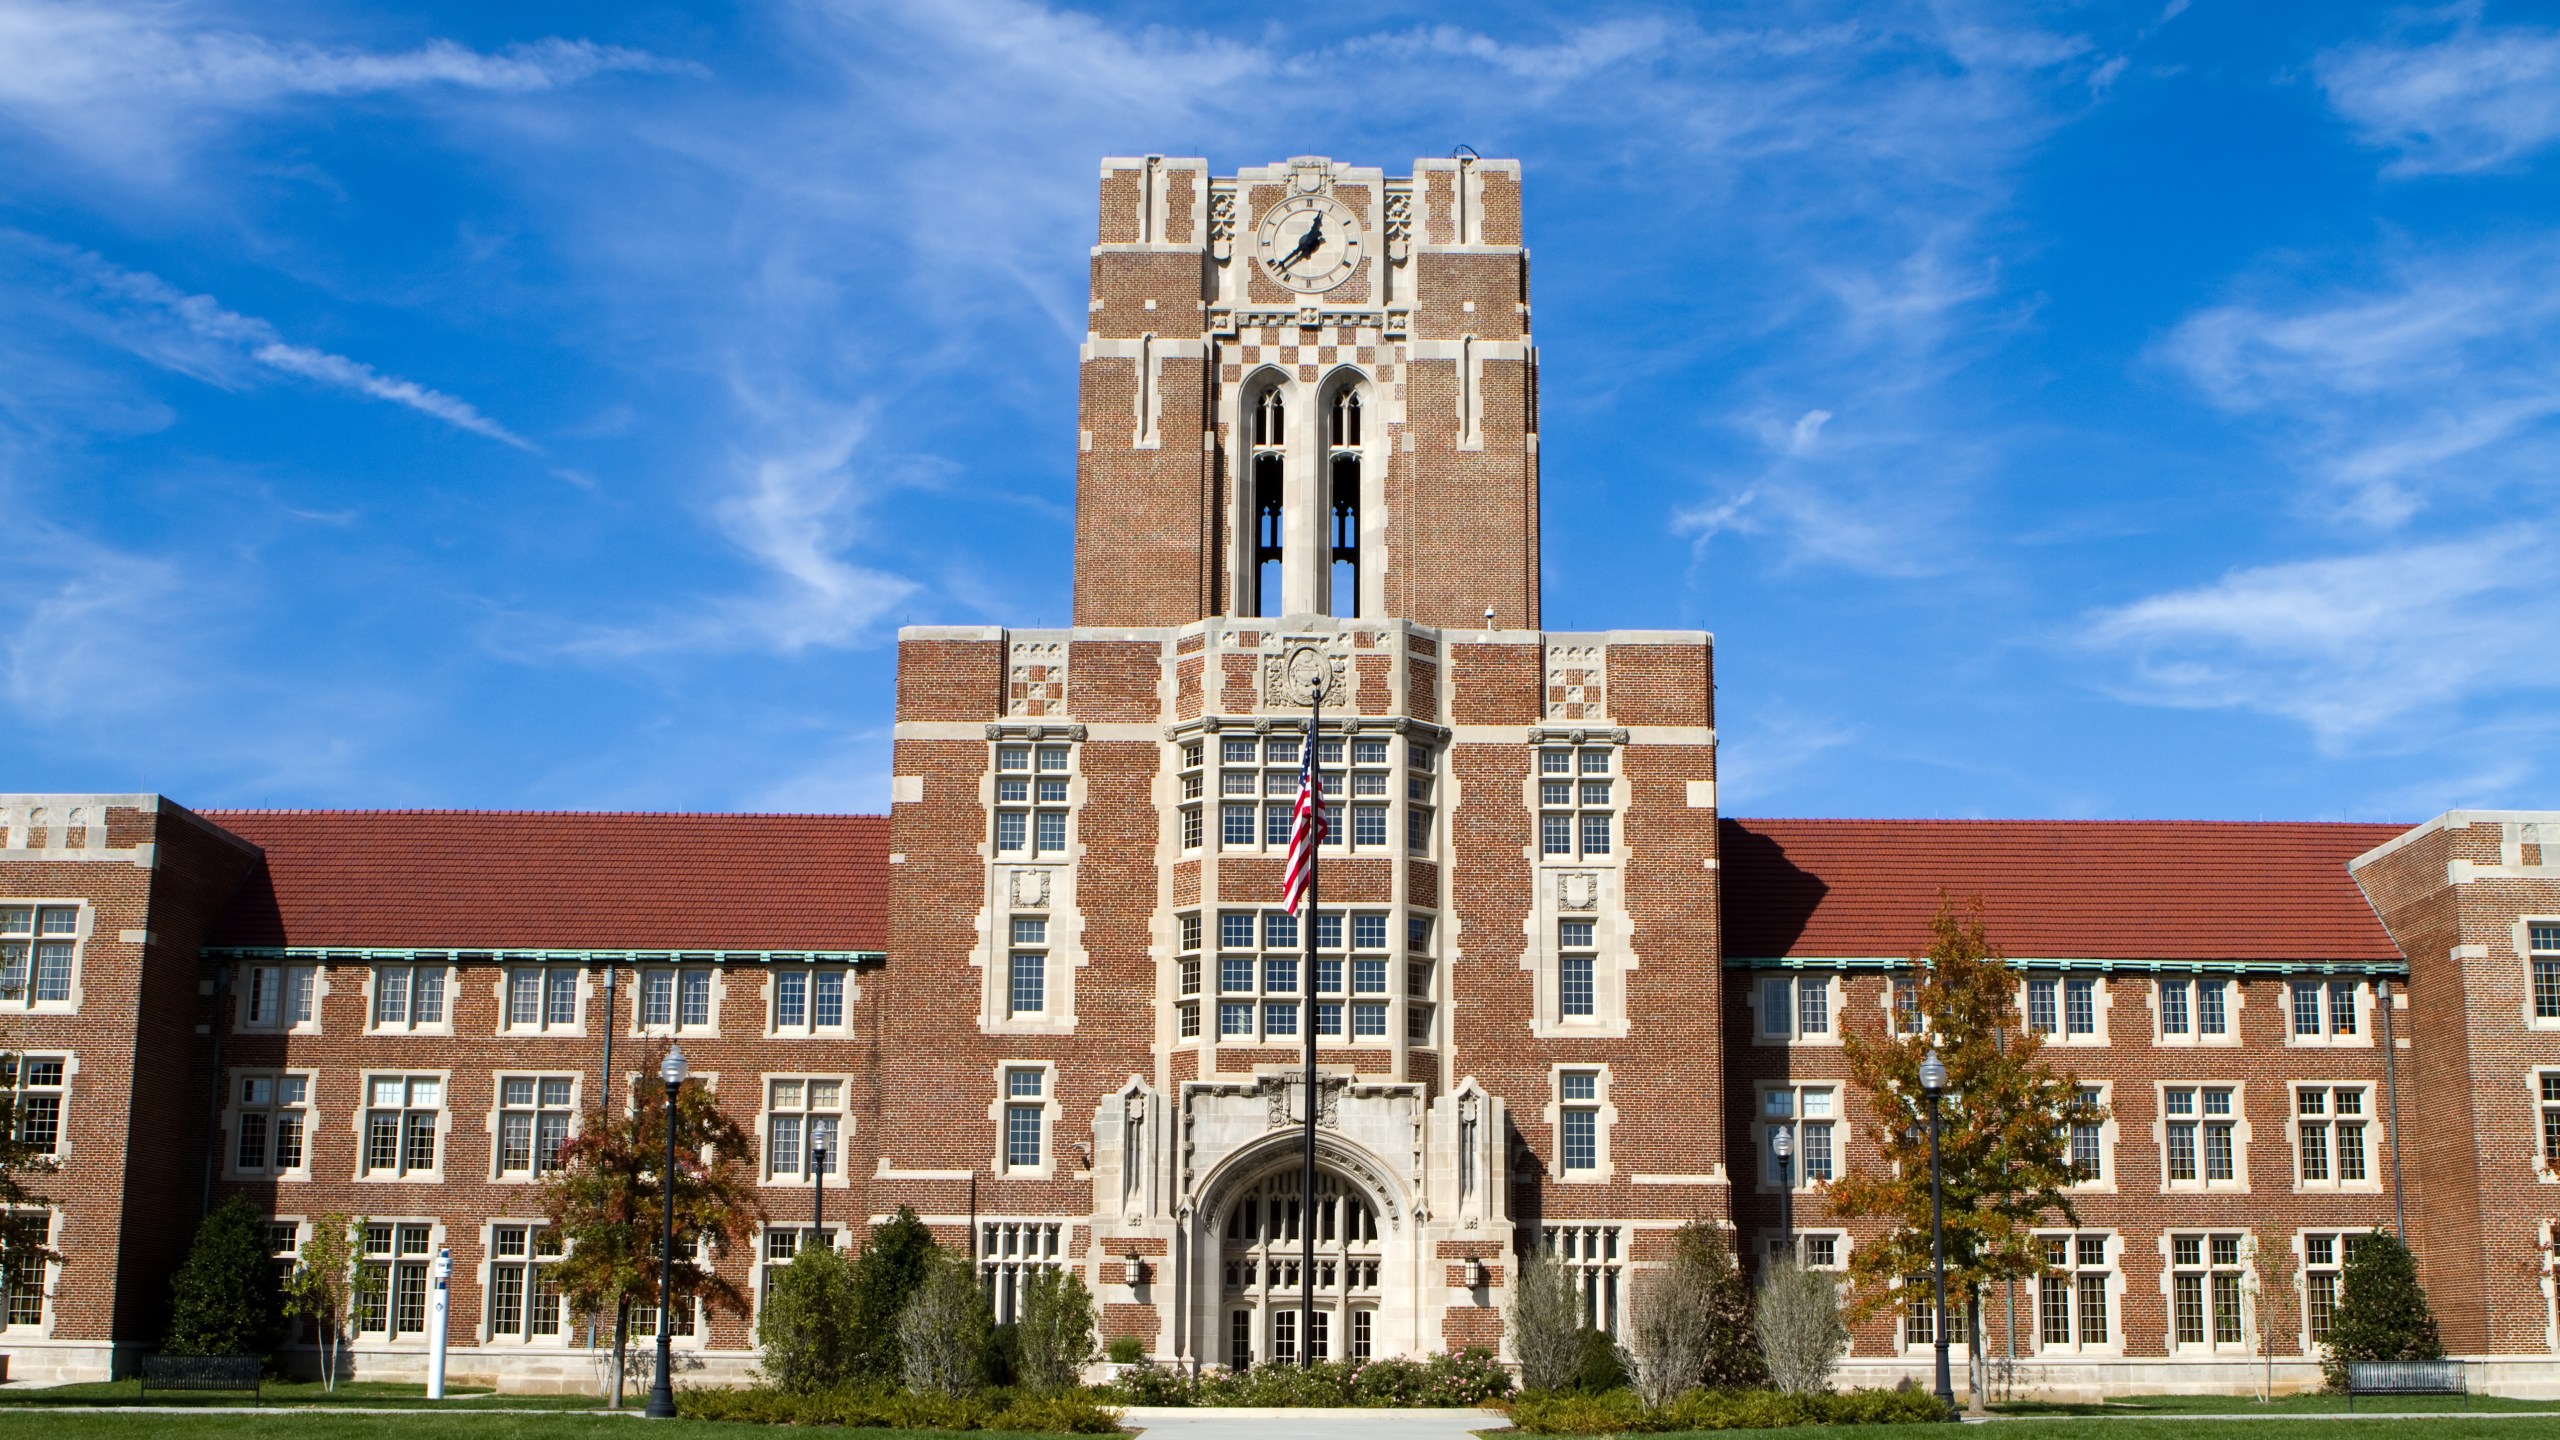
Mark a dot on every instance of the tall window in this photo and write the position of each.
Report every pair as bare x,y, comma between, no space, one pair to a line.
274,1123
2065,1006
2323,1010
2324,1262
37,1081
2329,1135
1186,1010
408,997
1269,468
542,997
1258,792
1577,813
1342,479
1418,782
2193,1010
1260,960
1575,967
2550,1082
22,1292
1593,1256
1580,1091
1907,1019
2089,1141
38,945
2544,963
1192,785
398,1256
804,1114
524,1299
808,1001
1795,1007
1031,800
533,1122
2204,1296
1808,1113
1012,1251
1026,1090
2072,1308
2201,1135
1027,968
400,1124
1920,1315
277,997
675,998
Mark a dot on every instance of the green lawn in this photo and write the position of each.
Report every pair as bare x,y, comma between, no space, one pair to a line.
349,1392
2193,1427
2313,1404
201,1426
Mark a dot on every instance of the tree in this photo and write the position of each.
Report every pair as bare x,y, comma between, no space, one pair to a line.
1546,1324
2270,1281
806,1329
1055,1334
223,1299
943,1335
1797,1317
606,1201
891,1269
2382,1310
1690,1323
2005,1146
329,1284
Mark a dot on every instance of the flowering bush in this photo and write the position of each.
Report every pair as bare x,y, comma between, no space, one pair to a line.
1621,1412
1466,1378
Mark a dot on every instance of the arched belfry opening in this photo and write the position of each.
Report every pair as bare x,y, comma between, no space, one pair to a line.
1270,471
1342,485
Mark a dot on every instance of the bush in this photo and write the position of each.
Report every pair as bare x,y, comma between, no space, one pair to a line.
1125,1350
224,1300
1546,1325
1453,1378
1798,1320
1604,1365
945,1332
1623,1412
1054,1339
1465,1378
2382,1311
875,1405
886,1277
806,1329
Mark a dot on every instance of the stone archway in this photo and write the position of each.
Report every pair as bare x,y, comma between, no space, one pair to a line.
1249,1247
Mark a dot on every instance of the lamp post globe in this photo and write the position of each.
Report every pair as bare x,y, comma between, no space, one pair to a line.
662,1392
1933,1083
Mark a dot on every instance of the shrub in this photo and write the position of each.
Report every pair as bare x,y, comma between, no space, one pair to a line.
223,1300
1546,1325
1798,1320
886,1276
2382,1311
1125,1350
1623,1412
1604,1365
1146,1384
944,1333
1468,1377
806,1328
1055,1334
875,1405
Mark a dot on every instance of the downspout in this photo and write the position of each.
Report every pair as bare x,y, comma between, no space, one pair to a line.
213,1121
604,1096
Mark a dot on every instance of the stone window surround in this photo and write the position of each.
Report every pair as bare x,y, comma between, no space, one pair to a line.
52,1278
507,965
240,987
365,1076
811,1030
2241,1132
2250,1320
1603,1168
1004,897
229,1138
437,1239
82,933
2520,940
452,997
2109,1165
1762,1181
842,1174
2115,1287
1837,981
2236,996
2368,1020
1050,1136
1577,738
2102,1002
2376,1145
486,1272
1613,955
675,1029
577,1079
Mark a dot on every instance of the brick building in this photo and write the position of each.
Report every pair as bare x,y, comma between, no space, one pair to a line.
1050,1000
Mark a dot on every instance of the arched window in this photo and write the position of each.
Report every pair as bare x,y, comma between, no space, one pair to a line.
1270,483
1342,501
1260,1264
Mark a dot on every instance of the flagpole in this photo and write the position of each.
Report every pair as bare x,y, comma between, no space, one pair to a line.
1307,1029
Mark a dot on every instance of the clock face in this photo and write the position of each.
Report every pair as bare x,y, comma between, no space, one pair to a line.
1309,243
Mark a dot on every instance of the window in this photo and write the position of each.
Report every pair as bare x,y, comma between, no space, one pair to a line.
2072,1310
36,1083
1012,1251
1907,1019
2064,1007
2204,1295
1031,800
533,1122
1025,1118
1576,803
400,1121
1591,1256
1795,1007
2544,964
675,998
524,1300
1259,976
1806,1114
2550,1081
1259,780
273,1124
398,1256
2195,1010
2324,1011
277,997
808,1001
1027,968
2329,1135
38,945
1186,1010
782,1244
803,1115
1574,967
2324,1263
25,1290
2089,1141
1920,1315
408,997
542,997
1581,1120
2200,1130
1191,782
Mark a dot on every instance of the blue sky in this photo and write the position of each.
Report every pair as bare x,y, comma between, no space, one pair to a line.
2077,410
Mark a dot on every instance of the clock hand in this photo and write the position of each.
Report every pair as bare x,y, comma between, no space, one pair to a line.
1306,245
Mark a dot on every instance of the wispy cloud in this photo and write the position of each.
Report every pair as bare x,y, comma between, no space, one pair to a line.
2448,94
197,336
2352,647
2438,379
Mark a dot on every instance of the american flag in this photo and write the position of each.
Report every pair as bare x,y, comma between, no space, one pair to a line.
1306,831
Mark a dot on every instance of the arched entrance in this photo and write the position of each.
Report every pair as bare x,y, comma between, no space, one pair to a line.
1261,1276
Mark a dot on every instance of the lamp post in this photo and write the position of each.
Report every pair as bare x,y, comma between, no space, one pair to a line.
1783,1145
818,1201
662,1394
1933,1083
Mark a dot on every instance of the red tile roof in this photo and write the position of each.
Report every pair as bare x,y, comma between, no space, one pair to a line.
2053,889
485,879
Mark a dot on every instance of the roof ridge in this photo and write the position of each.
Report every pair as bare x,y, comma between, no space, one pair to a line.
572,814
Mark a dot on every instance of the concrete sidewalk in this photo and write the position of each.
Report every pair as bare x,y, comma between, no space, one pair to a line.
1242,1423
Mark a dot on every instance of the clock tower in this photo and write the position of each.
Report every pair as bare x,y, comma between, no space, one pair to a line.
1308,388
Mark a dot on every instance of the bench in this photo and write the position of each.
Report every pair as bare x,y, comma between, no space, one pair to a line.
2406,1377
203,1372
